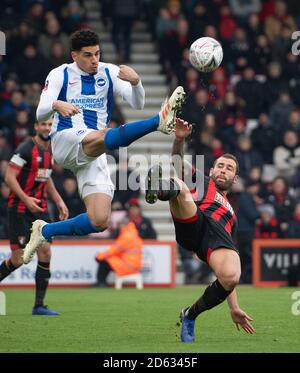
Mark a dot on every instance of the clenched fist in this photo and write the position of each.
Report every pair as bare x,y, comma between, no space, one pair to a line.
65,109
128,74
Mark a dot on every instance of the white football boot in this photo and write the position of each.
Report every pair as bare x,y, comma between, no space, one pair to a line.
36,240
169,109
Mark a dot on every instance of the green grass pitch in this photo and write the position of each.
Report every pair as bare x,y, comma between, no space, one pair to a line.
129,320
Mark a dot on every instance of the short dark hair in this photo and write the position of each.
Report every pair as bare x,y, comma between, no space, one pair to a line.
230,156
83,38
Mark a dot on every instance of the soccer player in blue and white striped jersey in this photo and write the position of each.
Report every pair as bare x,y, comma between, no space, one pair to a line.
80,96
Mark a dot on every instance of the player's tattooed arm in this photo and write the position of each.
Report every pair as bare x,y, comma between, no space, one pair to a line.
182,130
178,147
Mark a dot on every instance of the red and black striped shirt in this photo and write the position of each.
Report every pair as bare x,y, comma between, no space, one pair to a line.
215,206
35,165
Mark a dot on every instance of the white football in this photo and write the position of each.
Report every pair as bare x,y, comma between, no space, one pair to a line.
206,54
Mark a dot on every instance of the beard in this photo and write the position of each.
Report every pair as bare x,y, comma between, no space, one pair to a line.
223,185
43,137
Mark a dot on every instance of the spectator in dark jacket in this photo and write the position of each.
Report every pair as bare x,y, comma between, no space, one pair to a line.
280,198
5,149
4,193
263,138
255,174
31,66
250,91
268,226
294,122
239,50
195,271
16,102
123,15
248,214
279,114
143,224
196,107
121,178
19,40
274,84
261,54
71,197
247,156
294,224
231,134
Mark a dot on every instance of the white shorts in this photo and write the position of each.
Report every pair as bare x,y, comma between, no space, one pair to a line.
92,173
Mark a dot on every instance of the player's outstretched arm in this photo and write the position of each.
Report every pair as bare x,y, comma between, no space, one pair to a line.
239,317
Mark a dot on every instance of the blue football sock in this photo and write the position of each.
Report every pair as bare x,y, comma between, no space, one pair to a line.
78,226
127,133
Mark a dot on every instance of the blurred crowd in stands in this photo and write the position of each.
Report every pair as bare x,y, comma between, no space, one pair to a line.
250,106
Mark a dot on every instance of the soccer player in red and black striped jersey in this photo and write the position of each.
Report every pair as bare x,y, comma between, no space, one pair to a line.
28,177
205,225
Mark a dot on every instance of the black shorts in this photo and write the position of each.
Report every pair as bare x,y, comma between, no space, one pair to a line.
197,234
19,226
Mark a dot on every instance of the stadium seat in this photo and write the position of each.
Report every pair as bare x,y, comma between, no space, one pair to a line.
136,277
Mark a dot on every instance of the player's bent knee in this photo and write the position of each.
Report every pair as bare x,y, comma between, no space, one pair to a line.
44,255
102,227
100,223
93,143
17,258
17,262
230,279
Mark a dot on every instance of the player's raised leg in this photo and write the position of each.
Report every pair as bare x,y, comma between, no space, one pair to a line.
98,142
94,220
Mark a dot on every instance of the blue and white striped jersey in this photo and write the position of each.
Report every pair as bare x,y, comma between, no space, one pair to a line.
93,94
